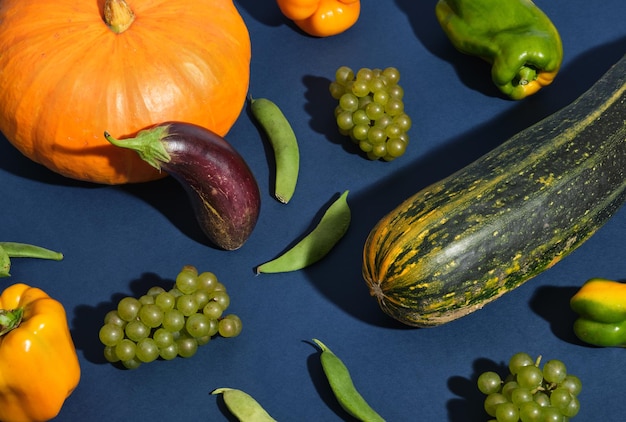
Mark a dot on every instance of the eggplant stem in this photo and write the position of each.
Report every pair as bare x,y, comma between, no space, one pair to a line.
147,144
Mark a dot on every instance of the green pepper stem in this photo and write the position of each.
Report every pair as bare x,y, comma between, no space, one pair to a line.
10,320
525,75
147,144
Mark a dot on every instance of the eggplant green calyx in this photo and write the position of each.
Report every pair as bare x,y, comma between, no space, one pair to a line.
10,320
147,144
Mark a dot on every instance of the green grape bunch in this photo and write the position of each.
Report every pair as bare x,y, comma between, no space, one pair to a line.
530,393
164,324
370,111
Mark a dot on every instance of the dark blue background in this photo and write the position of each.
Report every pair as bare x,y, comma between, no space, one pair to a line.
121,240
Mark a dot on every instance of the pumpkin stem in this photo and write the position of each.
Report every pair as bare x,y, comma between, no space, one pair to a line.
118,15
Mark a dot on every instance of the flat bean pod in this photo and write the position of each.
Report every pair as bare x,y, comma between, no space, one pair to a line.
315,245
284,143
243,406
343,388
10,250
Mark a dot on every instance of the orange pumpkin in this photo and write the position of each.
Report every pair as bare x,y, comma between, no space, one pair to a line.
67,76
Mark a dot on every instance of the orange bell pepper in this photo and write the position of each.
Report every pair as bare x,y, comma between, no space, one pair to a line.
39,367
321,18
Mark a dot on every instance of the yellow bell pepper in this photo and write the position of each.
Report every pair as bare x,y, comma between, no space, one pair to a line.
39,367
321,18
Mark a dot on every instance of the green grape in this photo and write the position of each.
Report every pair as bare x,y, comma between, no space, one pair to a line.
344,74
146,350
136,330
394,107
554,371
110,355
173,320
349,102
393,131
151,315
125,349
529,376
214,327
572,383
376,136
207,281
146,300
198,325
374,110
175,292
518,361
222,298
403,121
377,84
396,92
219,287
213,310
344,120
383,121
155,290
530,412
542,399
128,308
521,395
186,304
162,337
359,132
203,340
551,414
379,150
560,398
360,87
169,352
508,387
507,412
392,75
396,147
489,382
202,297
492,401
111,334
133,363
365,146
572,408
165,301
364,101
187,346
112,317
364,74
381,97
187,280
229,326
336,90
359,117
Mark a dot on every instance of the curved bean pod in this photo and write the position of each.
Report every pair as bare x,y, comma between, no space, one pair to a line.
343,388
10,250
284,143
243,406
315,245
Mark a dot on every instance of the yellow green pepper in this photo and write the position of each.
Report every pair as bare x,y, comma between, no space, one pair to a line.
515,36
39,367
601,308
321,18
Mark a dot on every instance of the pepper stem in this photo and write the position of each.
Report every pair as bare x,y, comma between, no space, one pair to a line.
118,15
525,75
10,320
147,144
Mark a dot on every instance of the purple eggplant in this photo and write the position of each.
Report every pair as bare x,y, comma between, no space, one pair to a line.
223,191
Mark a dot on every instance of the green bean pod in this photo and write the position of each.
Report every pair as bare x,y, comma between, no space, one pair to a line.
243,406
343,388
284,143
10,250
315,245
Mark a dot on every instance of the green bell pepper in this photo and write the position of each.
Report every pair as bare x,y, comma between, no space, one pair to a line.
515,36
601,308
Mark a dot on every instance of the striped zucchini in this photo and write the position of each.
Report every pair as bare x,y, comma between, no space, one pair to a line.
466,240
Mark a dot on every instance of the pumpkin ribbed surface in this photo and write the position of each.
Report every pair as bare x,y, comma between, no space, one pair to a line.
466,240
66,78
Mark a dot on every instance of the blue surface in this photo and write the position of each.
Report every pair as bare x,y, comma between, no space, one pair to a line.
121,240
